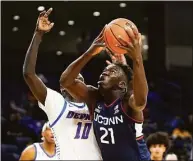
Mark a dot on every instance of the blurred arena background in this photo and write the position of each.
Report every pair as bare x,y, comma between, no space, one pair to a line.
167,50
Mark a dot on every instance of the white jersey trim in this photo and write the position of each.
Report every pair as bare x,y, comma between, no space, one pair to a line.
60,115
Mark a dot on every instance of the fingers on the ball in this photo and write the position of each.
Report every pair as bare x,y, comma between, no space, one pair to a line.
125,48
100,44
122,41
48,12
107,50
130,33
135,30
101,33
139,38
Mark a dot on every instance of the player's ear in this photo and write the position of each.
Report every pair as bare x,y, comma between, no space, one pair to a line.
122,85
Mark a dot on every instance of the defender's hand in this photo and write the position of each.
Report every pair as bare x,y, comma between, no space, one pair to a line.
43,24
116,58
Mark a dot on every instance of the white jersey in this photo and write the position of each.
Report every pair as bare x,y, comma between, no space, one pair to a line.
72,128
41,154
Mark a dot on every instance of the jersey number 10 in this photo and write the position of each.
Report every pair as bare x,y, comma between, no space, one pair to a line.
85,132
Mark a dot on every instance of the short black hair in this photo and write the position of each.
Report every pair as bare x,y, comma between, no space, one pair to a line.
127,71
158,138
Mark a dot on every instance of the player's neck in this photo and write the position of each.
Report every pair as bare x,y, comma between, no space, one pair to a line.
49,147
111,96
156,158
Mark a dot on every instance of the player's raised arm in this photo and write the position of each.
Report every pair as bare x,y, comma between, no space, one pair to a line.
140,88
68,80
35,84
28,153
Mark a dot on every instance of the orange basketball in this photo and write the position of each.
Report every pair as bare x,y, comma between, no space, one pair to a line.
114,29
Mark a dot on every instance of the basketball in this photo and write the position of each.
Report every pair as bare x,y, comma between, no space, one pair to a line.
114,29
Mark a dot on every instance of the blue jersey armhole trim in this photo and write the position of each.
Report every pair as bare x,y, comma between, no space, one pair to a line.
79,106
50,156
61,113
35,151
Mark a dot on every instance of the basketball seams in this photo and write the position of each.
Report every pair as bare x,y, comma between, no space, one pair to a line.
108,43
112,32
115,36
118,25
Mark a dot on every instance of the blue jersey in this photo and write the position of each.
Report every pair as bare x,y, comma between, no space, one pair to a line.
115,132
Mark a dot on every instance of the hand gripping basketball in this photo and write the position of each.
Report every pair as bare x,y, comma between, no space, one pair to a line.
132,47
43,24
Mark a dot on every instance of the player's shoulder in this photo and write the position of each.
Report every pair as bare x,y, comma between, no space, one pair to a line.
54,95
31,148
29,152
53,92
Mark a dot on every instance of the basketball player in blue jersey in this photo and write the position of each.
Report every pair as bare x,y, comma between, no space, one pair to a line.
116,112
69,119
143,149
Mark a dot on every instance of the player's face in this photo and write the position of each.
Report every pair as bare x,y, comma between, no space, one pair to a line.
157,150
48,135
110,77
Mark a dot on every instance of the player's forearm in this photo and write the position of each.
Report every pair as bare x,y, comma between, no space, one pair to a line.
72,71
31,55
140,87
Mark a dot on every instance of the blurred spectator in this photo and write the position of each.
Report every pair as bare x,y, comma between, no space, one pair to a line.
158,144
182,142
12,129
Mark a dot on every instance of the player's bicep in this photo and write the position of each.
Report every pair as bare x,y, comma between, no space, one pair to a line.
133,105
78,90
28,153
36,86
81,91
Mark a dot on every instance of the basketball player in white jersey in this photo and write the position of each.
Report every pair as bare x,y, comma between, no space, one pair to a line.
45,150
69,121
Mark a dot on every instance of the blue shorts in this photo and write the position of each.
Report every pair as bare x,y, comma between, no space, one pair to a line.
144,152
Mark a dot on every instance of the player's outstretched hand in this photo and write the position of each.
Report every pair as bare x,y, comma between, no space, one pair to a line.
43,24
116,58
98,44
133,47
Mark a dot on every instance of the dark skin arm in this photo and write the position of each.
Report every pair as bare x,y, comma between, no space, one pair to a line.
35,84
75,87
120,58
138,99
